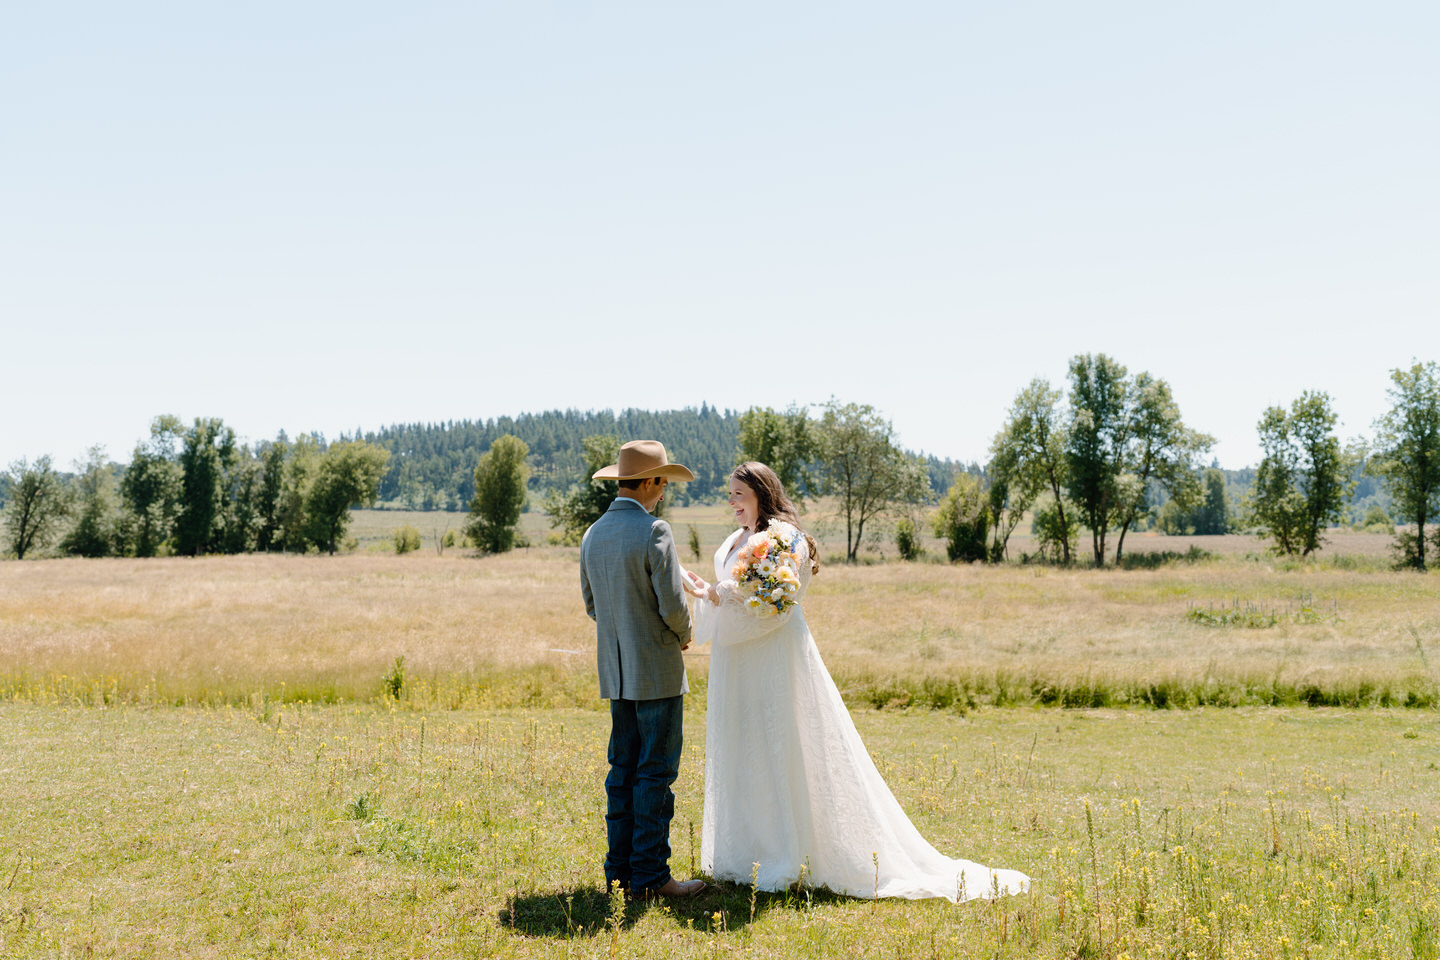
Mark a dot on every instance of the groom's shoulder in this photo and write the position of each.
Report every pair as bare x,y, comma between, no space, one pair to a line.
618,517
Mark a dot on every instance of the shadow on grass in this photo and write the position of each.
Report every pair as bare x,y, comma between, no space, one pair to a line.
585,911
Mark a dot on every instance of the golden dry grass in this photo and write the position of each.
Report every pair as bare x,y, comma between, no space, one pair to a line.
223,628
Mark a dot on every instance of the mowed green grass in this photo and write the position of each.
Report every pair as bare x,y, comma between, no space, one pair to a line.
366,830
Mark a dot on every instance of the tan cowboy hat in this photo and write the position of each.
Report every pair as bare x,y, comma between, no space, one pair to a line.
640,459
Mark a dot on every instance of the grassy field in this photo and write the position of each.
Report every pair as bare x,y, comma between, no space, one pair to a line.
366,830
373,531
204,758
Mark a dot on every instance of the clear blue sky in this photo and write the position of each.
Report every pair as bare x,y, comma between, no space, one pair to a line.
322,216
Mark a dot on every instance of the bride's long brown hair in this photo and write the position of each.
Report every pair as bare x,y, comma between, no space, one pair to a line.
772,504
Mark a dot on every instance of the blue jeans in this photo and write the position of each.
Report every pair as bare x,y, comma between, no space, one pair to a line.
644,760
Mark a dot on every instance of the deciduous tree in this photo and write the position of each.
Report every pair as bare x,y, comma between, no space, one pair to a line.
38,503
1162,449
860,465
784,442
302,461
269,494
1125,433
150,488
500,478
347,475
573,512
1406,454
1100,435
1303,482
95,532
1027,458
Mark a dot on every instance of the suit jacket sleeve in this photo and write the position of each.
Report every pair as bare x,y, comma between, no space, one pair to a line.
585,590
665,577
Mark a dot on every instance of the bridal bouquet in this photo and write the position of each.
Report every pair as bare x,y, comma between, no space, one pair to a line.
767,571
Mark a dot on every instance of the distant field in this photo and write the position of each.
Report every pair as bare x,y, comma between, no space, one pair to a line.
373,529
508,629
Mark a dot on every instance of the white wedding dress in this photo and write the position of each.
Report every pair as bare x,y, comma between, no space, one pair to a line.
788,783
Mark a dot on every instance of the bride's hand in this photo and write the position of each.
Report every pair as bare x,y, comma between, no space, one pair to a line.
693,584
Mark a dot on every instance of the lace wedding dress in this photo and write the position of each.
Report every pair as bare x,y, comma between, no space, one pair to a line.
788,783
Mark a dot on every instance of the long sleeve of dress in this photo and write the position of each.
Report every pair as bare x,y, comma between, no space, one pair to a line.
733,621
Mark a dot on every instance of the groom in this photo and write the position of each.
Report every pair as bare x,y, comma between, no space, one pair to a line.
630,578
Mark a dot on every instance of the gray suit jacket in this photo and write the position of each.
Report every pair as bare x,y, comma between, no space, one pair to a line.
630,578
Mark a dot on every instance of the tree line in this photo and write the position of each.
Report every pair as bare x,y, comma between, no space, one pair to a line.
1112,455
1115,451
1107,457
197,490
432,466
191,490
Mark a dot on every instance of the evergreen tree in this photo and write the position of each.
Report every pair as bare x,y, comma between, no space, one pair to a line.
207,456
1212,518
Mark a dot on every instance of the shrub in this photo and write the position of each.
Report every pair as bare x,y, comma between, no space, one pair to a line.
963,520
907,540
407,538
393,683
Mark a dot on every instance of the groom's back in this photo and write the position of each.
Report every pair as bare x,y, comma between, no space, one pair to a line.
630,578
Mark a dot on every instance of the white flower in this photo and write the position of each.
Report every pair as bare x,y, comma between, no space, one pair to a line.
766,567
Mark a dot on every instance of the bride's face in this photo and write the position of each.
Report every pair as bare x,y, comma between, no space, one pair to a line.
745,504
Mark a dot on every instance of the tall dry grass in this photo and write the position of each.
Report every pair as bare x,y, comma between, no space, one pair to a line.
512,629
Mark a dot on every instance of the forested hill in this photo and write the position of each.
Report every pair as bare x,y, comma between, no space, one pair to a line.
432,465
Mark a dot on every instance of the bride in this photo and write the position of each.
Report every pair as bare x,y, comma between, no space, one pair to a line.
788,783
